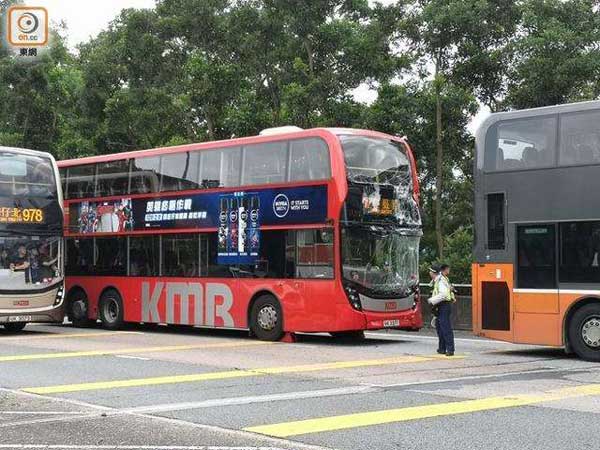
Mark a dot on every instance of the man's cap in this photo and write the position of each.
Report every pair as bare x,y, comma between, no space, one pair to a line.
434,269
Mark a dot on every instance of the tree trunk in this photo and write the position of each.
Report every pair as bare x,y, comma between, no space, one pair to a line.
210,126
311,60
438,166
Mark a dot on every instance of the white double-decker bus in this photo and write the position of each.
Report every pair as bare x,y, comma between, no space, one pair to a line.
31,253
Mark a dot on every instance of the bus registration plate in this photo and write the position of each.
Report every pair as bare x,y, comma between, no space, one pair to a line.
19,318
391,323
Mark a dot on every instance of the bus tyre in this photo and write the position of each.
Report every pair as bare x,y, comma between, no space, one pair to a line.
584,332
266,318
78,310
14,327
111,310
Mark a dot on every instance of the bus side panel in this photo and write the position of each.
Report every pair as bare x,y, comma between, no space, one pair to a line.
493,299
537,329
183,301
536,318
308,305
566,302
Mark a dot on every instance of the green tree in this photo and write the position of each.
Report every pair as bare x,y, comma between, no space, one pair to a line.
38,98
445,35
556,56
409,110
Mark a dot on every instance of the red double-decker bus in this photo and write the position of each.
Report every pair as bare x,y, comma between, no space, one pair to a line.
290,231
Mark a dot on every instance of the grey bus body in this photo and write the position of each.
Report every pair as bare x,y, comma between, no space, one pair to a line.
537,209
34,293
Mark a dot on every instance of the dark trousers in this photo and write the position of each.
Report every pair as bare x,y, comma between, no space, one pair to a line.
443,327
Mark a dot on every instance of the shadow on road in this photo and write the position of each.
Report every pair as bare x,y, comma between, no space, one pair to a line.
550,353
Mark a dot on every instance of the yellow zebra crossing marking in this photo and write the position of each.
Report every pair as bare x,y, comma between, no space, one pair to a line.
347,421
172,379
125,351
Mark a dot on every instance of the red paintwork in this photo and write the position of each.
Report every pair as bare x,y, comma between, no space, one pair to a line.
308,305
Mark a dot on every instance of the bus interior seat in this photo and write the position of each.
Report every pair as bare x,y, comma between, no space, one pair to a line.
512,164
530,157
508,163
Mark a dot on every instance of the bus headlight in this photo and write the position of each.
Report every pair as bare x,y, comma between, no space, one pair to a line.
353,297
60,295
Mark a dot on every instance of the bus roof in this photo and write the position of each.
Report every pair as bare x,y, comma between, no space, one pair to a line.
534,112
26,151
323,132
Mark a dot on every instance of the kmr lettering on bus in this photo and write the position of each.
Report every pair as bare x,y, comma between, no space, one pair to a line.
203,297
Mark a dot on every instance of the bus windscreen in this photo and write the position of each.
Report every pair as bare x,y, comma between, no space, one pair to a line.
29,262
29,202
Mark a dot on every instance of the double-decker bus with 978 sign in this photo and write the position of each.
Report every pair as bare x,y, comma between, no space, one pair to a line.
31,246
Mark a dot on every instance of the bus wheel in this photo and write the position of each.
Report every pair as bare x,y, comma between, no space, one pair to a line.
349,336
266,318
111,310
584,332
78,310
14,327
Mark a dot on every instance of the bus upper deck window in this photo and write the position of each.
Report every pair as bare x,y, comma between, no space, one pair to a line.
520,144
309,160
580,138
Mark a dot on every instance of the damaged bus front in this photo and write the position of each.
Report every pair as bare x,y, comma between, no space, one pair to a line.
380,230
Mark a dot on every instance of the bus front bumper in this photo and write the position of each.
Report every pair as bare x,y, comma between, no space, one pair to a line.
351,319
52,314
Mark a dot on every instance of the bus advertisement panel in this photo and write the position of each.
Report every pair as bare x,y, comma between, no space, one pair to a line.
31,221
269,233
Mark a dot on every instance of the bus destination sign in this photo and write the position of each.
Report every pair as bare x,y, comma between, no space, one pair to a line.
21,215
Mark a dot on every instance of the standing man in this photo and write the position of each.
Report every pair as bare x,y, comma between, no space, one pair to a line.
442,298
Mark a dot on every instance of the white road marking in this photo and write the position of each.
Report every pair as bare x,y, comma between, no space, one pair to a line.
124,447
420,337
47,420
212,428
478,377
39,413
150,409
141,358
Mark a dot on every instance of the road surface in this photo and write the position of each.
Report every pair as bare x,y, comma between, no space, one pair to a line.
184,389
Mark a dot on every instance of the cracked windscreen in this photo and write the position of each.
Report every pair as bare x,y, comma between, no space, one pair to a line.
381,224
380,182
381,260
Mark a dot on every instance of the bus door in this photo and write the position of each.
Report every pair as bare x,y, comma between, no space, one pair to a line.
536,297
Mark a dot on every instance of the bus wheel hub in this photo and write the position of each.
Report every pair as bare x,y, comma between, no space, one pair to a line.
267,318
112,310
591,332
79,310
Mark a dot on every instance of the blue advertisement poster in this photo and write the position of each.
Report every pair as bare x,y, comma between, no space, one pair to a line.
239,228
294,205
237,216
